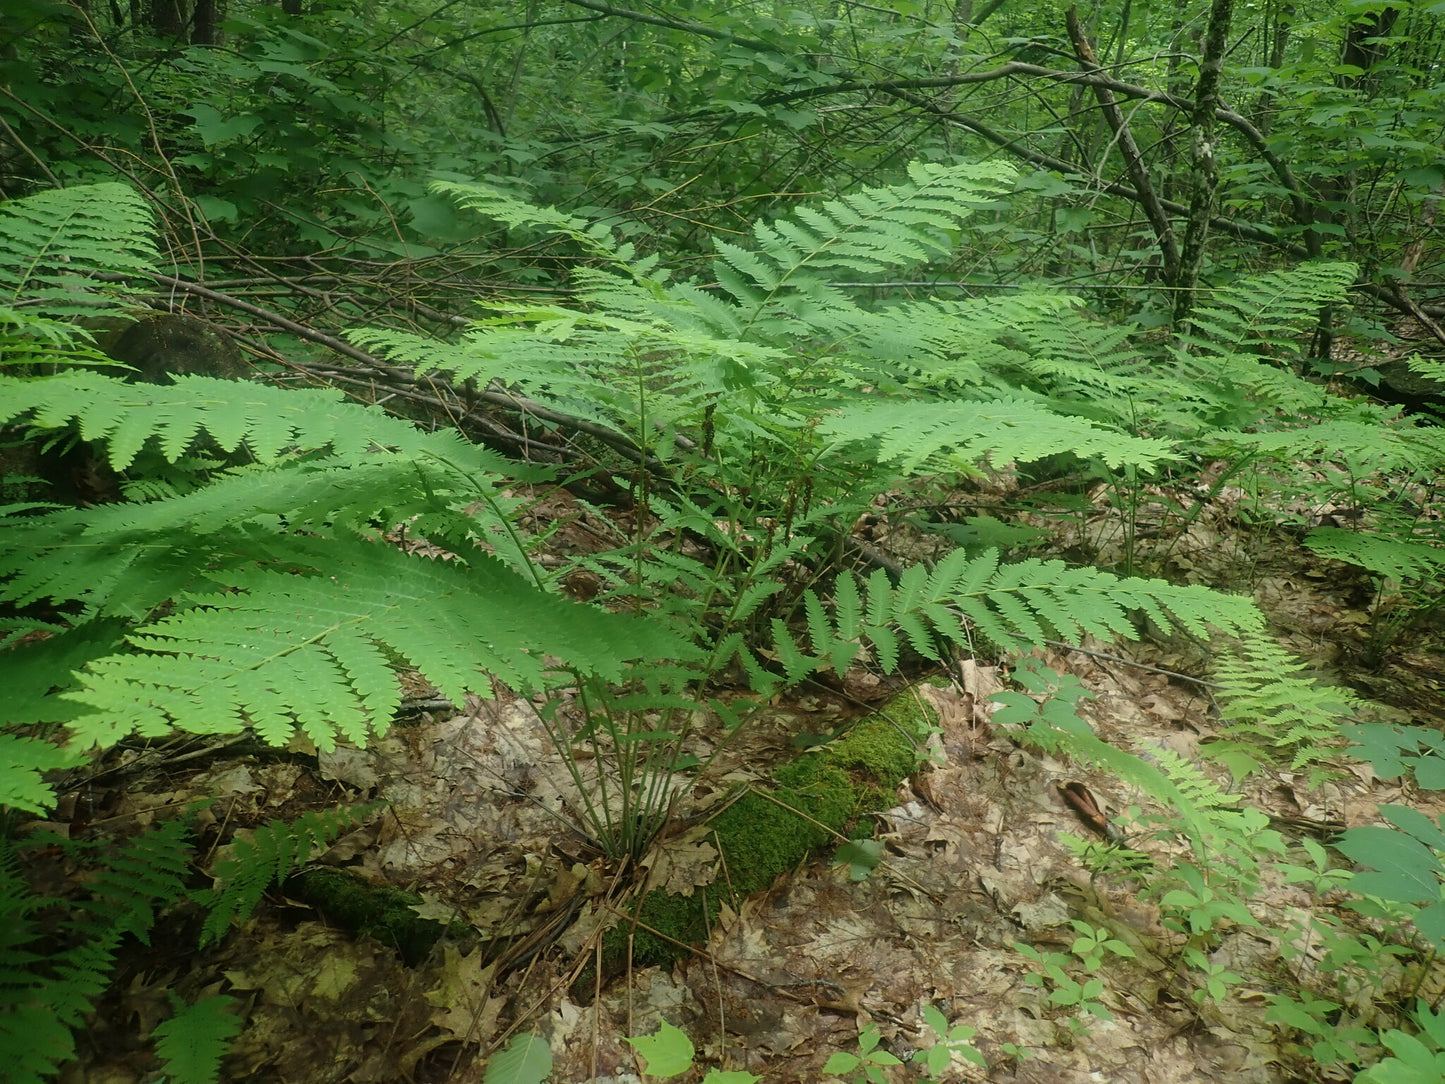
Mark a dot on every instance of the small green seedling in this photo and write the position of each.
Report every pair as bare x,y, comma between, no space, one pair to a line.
951,1040
868,1063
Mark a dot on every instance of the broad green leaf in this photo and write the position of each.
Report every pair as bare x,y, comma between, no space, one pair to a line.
1407,869
527,1059
668,1052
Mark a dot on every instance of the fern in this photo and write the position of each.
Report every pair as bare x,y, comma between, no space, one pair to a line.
270,855
1368,445
277,650
267,421
912,434
23,762
1392,558
46,994
1273,710
53,243
1018,606
337,470
1232,843
873,230
193,1041
1261,310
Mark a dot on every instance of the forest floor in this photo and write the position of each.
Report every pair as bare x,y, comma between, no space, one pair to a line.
475,821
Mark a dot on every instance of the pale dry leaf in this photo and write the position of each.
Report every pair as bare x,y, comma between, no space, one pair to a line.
463,1005
680,865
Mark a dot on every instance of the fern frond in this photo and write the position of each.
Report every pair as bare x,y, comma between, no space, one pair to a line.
267,856
596,239
1275,710
911,433
871,230
44,1000
1257,310
145,873
269,421
53,243
278,650
1368,445
1400,559
192,1043
34,1041
23,762
1019,605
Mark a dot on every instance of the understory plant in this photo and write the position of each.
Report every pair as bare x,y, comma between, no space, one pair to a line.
740,422
761,411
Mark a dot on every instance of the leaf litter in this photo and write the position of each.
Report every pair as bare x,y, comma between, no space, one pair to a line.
480,824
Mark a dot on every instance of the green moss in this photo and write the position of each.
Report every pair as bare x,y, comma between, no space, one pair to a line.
381,911
760,837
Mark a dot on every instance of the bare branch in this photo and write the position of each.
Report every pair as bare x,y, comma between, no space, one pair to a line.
1133,159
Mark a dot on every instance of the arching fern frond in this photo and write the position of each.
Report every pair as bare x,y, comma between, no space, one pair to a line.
53,243
595,238
1366,444
280,650
267,420
910,433
1018,606
32,673
1391,558
1251,313
872,230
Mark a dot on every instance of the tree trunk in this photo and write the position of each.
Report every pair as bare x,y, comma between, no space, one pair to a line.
1204,166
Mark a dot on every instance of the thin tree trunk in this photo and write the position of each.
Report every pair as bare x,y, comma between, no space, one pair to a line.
1204,173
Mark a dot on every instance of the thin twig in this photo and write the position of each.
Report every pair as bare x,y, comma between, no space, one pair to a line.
1136,665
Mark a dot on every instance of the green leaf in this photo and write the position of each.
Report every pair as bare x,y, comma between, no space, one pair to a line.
1430,921
668,1052
841,1062
527,1059
1414,823
861,856
1408,870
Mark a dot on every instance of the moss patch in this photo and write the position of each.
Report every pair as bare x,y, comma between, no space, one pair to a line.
380,911
760,837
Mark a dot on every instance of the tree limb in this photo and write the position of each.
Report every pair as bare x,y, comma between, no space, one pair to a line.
1133,159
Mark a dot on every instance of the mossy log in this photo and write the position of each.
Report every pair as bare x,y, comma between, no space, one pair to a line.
824,793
